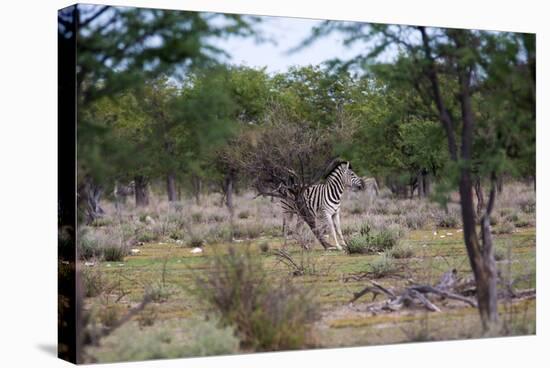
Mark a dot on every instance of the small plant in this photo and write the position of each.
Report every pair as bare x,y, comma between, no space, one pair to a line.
148,316
402,252
157,292
216,218
415,220
266,314
176,234
528,205
264,246
522,222
147,236
248,230
114,253
368,241
356,210
195,242
244,214
358,244
92,282
500,255
196,217
448,220
504,228
110,314
383,266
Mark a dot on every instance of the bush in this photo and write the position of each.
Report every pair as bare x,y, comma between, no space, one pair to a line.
504,228
196,217
448,220
368,241
244,214
248,230
195,242
415,220
88,247
219,234
382,266
358,244
267,315
356,210
133,342
264,247
402,252
114,253
147,236
216,218
528,205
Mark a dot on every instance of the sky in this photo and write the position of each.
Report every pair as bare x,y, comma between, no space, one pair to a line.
288,33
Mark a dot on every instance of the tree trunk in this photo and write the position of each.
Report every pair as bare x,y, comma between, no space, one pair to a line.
228,193
426,184
141,191
481,260
479,195
89,196
197,188
171,187
420,181
500,184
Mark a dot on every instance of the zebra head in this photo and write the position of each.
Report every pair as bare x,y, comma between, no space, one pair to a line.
351,180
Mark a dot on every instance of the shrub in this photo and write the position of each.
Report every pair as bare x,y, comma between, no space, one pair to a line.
504,228
415,220
528,205
147,236
382,266
267,315
196,217
264,247
522,222
114,253
93,282
356,210
385,239
133,343
88,247
195,242
401,252
216,218
244,214
176,234
373,241
219,234
248,230
358,244
449,220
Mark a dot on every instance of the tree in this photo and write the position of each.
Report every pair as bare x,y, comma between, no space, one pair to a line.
283,158
118,48
447,67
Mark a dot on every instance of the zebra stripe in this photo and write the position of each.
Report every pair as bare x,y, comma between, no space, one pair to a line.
324,200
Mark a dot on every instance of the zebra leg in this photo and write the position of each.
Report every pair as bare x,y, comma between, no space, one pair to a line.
331,226
338,227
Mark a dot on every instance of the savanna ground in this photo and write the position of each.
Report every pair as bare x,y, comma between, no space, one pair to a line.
154,250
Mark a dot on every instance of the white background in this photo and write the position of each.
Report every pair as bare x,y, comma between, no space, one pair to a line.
28,187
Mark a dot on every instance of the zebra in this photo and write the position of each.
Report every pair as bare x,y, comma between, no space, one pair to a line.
324,199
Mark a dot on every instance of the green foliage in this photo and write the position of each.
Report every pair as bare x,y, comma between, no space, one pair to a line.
133,343
369,241
266,316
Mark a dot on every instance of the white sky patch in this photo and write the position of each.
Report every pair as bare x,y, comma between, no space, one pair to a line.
287,33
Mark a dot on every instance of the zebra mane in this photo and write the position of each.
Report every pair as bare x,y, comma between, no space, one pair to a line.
333,165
